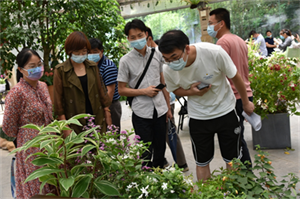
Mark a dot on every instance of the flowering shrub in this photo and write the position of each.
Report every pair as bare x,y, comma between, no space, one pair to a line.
2,79
48,78
275,82
258,182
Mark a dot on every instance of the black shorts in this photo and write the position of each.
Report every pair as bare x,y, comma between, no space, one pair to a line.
202,134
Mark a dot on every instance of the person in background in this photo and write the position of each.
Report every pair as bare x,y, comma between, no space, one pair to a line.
28,102
269,42
287,39
181,161
297,38
150,105
238,52
260,40
109,72
199,71
78,87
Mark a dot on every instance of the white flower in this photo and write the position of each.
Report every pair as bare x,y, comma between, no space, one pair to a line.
129,186
123,137
140,196
154,179
144,190
188,181
172,191
164,186
111,140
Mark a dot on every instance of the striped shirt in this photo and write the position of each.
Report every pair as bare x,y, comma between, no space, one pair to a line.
109,73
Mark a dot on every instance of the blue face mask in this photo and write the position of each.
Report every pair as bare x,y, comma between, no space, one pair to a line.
94,57
35,74
269,36
211,30
138,44
178,64
78,58
281,37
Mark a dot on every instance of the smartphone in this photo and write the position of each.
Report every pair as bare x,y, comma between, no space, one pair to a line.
160,86
202,85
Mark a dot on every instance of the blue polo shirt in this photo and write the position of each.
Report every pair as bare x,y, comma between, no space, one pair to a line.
109,73
270,41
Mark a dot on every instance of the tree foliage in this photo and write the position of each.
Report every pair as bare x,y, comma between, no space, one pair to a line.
44,25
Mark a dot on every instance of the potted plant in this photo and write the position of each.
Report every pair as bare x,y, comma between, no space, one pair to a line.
48,79
275,82
2,83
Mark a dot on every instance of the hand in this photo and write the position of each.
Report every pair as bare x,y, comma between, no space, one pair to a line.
195,90
66,133
151,91
107,116
248,108
297,38
169,115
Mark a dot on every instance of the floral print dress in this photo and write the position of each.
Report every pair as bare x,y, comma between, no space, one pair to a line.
23,105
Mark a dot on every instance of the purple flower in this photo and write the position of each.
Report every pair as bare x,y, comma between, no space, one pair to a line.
183,191
123,132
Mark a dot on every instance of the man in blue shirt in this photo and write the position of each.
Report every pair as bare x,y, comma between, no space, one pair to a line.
269,42
109,72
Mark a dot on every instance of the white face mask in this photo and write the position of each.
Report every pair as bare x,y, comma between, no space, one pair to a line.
139,43
178,65
78,58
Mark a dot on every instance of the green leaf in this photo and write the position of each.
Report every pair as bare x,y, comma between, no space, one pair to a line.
49,129
46,142
107,188
74,121
85,195
81,186
66,183
78,140
40,161
79,116
41,172
78,168
31,126
86,149
44,183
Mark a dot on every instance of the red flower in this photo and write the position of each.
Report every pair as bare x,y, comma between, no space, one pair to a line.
51,73
293,88
47,74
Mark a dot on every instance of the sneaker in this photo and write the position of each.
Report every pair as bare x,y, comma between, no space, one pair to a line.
184,167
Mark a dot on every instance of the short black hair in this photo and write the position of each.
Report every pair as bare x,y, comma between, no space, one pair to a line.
221,14
157,41
149,32
171,40
252,33
135,24
96,43
268,31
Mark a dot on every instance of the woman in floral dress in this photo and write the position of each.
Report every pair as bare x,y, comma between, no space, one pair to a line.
27,102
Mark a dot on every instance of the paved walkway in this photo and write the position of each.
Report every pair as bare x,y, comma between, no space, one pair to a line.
282,163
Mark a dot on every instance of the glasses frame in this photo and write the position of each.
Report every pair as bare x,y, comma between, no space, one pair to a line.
174,61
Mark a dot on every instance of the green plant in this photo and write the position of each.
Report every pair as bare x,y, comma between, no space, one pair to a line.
48,77
275,82
258,182
56,154
2,79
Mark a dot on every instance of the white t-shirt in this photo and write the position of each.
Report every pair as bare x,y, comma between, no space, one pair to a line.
211,66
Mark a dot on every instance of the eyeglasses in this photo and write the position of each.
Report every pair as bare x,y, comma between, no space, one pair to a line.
34,66
176,61
211,23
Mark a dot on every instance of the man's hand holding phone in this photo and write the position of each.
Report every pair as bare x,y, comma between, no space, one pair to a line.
200,88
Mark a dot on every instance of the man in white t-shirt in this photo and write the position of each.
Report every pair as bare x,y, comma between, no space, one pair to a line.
211,109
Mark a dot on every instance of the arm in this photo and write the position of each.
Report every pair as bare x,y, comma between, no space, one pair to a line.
167,97
13,106
270,45
240,86
104,97
58,100
111,91
287,42
193,90
151,91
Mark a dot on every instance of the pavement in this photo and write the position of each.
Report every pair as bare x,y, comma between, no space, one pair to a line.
282,163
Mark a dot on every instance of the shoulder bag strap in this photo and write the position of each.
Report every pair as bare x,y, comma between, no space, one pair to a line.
145,70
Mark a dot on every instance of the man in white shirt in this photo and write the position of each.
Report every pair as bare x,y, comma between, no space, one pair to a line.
260,40
211,109
150,106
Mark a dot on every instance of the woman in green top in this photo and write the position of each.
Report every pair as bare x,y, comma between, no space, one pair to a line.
78,86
